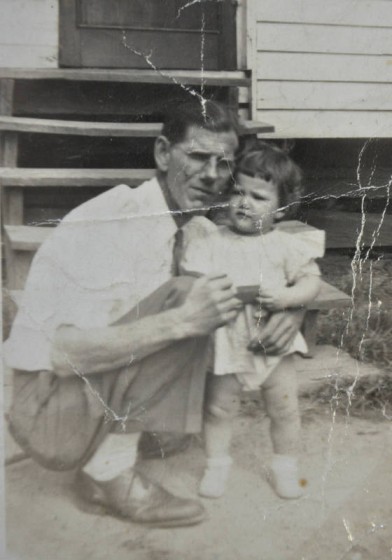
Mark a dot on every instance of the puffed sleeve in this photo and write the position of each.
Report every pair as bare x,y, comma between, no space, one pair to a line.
301,251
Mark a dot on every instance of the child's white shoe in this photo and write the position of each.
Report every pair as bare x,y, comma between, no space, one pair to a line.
213,483
284,476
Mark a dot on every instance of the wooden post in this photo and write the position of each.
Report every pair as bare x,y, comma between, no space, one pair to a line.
6,96
309,331
12,199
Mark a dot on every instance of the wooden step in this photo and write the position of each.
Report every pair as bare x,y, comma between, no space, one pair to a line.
329,297
87,128
29,238
33,177
181,77
26,238
342,228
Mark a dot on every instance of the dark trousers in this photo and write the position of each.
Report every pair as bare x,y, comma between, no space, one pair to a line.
61,422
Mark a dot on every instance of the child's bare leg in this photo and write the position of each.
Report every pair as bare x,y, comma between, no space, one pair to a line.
281,398
222,404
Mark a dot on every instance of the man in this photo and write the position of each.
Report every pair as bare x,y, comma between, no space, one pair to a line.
107,344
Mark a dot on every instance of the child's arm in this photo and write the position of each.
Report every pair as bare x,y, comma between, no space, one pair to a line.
300,294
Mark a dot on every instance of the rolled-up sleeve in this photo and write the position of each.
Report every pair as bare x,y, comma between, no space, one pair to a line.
103,258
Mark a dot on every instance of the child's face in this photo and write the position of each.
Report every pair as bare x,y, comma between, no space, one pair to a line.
253,205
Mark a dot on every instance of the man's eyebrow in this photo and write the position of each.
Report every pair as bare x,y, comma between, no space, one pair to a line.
207,152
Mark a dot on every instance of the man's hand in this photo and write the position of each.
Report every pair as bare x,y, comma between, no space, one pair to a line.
276,336
211,303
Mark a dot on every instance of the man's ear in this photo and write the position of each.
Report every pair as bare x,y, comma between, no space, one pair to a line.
162,153
279,215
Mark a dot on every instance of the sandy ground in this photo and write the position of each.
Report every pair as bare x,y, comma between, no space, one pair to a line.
346,512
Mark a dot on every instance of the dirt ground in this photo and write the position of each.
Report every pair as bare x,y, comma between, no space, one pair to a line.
345,514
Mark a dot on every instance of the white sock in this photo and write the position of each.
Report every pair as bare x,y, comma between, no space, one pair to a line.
117,453
284,476
213,483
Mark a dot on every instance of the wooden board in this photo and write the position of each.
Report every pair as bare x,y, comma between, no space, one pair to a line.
343,228
376,13
29,238
295,226
323,67
34,31
255,127
324,95
78,128
190,77
31,177
106,101
12,210
120,49
27,55
328,297
29,33
26,238
81,128
329,124
340,39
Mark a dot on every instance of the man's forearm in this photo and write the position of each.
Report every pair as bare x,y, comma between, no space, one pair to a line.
209,304
106,349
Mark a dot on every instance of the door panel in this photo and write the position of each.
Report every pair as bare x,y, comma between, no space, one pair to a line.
125,49
139,14
172,34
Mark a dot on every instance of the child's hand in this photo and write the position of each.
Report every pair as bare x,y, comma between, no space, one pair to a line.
274,300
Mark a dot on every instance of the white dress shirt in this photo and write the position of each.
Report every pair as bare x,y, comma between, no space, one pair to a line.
104,257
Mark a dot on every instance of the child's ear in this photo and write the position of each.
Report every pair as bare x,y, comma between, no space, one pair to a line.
162,153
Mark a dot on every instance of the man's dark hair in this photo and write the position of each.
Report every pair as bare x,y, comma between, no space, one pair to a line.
269,162
207,114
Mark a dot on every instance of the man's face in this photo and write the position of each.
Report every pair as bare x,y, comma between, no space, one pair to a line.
199,167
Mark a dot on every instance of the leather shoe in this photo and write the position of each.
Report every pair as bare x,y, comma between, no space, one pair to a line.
132,496
161,445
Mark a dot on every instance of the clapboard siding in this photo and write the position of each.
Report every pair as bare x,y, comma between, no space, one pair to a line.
324,39
376,13
323,67
329,124
329,61
35,56
29,33
328,95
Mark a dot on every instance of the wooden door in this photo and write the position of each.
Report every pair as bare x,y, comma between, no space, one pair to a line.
167,34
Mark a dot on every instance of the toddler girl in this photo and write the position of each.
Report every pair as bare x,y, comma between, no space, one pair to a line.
279,269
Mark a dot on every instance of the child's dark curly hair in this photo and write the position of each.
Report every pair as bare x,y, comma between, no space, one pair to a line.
269,162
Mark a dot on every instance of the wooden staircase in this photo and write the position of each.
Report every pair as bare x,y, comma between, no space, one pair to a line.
87,104
80,128
66,103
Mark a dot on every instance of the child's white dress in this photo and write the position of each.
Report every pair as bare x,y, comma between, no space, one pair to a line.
273,260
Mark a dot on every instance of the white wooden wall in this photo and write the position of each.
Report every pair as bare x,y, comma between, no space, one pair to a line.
29,33
322,68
